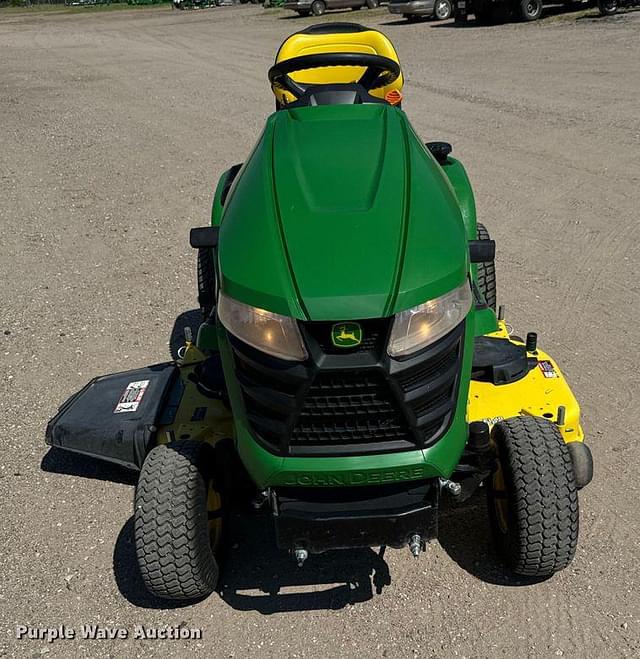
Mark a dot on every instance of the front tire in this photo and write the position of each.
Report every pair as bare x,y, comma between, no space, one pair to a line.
177,521
532,496
318,8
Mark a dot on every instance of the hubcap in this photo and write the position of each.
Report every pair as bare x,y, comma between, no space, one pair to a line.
442,9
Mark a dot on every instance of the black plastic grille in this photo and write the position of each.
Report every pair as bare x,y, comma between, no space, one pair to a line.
347,409
430,369
350,402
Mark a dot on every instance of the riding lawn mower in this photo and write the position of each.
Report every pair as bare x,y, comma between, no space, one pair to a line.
351,368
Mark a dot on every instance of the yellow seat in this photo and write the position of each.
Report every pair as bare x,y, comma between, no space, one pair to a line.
335,38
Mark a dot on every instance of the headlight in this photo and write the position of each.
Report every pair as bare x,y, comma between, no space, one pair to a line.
416,328
270,332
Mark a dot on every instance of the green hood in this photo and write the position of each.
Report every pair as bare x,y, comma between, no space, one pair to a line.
341,213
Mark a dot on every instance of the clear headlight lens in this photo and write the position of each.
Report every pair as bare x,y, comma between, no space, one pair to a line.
417,328
264,330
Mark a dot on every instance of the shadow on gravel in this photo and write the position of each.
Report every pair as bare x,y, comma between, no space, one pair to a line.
127,574
192,319
257,576
464,532
57,461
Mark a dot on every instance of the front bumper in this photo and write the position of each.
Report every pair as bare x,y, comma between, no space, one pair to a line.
415,8
320,520
298,6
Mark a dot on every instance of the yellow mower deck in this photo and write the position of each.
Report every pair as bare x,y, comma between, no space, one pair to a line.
540,393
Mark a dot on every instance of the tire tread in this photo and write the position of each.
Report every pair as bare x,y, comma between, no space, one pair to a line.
487,274
544,502
171,523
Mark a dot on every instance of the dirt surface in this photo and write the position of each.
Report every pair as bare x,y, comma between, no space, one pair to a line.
114,130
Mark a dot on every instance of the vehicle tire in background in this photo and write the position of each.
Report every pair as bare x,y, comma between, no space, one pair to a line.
532,497
607,7
373,4
530,10
177,521
487,274
318,7
443,10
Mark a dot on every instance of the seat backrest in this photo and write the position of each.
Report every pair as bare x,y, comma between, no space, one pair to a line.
335,38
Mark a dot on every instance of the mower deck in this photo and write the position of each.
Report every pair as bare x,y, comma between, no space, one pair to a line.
542,392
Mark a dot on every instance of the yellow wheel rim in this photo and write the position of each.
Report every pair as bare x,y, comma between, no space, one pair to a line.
214,512
500,502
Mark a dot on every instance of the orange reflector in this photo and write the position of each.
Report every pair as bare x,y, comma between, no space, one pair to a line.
394,97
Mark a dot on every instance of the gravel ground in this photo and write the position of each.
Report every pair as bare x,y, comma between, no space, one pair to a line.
114,129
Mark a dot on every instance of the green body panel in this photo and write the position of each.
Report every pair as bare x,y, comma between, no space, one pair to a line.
485,319
269,470
207,338
216,207
459,180
340,213
345,214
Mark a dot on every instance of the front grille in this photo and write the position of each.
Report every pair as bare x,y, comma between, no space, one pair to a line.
349,409
350,402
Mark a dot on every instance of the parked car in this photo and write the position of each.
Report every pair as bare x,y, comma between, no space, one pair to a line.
414,10
491,12
318,7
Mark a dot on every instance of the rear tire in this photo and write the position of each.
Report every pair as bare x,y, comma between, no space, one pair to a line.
172,530
530,10
318,7
206,282
487,274
532,496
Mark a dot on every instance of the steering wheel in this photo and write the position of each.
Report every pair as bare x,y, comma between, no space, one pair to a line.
379,71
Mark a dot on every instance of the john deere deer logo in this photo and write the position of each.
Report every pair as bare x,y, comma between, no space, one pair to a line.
346,335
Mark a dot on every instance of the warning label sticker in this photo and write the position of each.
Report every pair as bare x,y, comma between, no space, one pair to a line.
547,369
131,396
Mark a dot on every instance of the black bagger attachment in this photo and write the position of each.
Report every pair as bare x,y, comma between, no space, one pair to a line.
114,417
